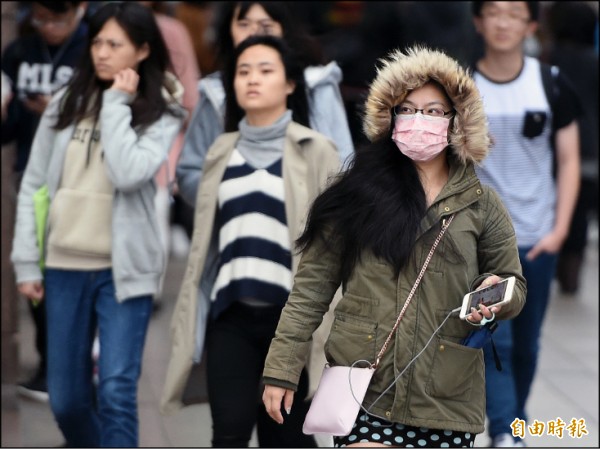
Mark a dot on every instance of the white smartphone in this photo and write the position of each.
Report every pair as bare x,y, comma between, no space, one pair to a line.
494,295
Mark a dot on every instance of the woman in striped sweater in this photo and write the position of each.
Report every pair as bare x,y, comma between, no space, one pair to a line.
257,184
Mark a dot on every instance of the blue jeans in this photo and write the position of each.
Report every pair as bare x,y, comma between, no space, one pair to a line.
78,302
517,345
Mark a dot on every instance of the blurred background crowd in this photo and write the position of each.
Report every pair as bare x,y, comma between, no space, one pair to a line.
355,34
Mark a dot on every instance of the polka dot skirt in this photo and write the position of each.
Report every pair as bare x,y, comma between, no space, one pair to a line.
377,430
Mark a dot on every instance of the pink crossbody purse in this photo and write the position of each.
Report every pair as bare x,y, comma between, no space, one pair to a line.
342,389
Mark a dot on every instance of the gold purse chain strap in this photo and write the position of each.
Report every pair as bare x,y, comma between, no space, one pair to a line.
414,288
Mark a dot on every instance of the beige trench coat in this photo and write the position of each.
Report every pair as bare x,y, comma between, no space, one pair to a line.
309,159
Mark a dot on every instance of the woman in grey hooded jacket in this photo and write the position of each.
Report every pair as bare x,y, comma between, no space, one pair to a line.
98,147
371,232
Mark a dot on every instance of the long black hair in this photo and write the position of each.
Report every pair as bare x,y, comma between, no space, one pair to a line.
304,46
376,205
296,101
149,105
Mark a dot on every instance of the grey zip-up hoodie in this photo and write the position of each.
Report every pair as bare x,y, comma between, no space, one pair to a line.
132,159
326,115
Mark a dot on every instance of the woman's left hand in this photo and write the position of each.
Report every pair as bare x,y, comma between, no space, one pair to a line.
126,80
476,316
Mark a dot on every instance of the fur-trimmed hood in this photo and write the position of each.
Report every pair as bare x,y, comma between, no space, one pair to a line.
401,72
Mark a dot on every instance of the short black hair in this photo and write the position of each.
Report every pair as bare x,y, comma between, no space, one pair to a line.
534,10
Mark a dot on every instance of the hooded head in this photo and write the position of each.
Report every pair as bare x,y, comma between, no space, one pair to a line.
401,73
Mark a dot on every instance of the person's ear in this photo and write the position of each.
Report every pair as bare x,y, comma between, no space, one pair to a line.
532,27
291,87
143,52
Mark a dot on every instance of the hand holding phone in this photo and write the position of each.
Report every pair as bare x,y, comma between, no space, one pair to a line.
495,295
36,102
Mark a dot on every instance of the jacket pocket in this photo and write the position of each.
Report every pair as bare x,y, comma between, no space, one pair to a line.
80,222
454,369
350,340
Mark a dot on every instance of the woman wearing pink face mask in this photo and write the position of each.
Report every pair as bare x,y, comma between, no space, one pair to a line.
371,232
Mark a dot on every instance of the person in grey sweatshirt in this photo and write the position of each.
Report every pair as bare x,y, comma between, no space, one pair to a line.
326,111
97,149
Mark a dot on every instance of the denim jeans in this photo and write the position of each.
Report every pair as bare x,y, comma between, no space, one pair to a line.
78,303
517,344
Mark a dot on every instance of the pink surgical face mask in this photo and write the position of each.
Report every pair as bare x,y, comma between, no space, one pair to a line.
421,137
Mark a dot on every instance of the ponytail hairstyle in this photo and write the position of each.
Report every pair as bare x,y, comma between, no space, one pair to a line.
297,101
141,28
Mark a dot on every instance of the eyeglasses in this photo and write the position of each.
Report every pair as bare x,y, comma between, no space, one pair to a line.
402,109
511,17
263,26
58,23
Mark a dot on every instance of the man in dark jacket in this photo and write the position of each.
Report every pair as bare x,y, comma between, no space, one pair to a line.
37,65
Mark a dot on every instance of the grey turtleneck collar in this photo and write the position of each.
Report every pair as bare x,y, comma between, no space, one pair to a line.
261,146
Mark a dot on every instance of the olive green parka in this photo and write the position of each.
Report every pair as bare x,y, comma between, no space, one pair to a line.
445,387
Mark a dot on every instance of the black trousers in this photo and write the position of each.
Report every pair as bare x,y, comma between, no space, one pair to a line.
587,205
571,256
237,344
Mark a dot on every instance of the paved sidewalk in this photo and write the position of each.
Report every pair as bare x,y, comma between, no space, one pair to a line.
566,385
